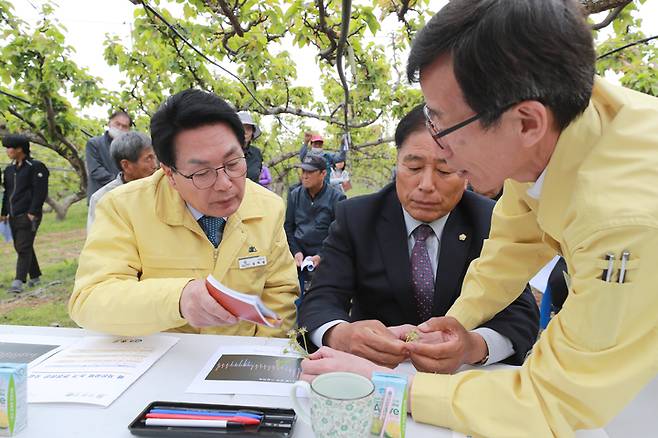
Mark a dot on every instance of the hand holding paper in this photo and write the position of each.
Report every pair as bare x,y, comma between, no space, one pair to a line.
243,306
5,230
200,309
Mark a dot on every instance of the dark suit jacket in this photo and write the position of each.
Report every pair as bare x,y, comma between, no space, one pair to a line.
101,168
365,268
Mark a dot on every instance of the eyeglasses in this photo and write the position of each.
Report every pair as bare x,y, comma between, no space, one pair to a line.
437,133
204,178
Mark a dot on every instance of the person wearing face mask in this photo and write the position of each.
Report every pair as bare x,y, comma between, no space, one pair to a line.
253,154
101,168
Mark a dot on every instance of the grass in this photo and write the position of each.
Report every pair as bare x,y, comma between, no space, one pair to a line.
76,219
359,189
58,245
44,304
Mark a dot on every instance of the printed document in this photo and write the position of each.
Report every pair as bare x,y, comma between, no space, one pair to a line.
95,370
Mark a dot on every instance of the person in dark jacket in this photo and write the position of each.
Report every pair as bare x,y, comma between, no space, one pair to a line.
311,209
101,168
253,155
396,258
26,189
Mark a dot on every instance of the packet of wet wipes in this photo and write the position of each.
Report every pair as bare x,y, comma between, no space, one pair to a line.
390,415
13,398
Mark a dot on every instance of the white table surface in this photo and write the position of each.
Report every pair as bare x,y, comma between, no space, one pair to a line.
167,380
169,377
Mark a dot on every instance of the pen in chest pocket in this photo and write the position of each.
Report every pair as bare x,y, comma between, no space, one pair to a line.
607,273
622,270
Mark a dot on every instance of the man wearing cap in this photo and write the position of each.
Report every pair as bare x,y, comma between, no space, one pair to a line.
317,148
310,211
253,154
26,188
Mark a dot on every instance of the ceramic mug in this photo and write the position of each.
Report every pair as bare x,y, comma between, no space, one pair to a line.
341,405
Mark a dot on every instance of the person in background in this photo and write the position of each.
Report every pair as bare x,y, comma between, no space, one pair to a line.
512,95
26,189
253,154
101,168
133,154
340,177
265,178
155,240
311,209
316,143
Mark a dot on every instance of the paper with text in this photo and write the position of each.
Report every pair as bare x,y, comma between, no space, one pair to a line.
95,370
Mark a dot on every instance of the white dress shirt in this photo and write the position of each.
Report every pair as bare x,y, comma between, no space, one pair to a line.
535,190
499,346
196,214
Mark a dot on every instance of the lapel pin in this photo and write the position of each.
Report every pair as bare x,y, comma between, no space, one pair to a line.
462,237
252,249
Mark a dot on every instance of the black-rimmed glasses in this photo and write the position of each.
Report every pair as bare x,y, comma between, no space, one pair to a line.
437,133
205,178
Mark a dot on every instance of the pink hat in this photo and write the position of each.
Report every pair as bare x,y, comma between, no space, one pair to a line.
316,137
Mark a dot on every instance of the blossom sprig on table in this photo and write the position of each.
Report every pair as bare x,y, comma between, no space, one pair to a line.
293,343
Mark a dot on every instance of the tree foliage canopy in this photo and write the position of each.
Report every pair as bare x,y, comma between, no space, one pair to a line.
44,92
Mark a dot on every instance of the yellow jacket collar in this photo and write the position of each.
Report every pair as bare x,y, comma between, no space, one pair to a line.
573,146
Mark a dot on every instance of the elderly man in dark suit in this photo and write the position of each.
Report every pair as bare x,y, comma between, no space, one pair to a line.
396,258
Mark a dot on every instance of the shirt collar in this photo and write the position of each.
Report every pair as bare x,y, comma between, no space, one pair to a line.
436,225
196,214
318,194
535,190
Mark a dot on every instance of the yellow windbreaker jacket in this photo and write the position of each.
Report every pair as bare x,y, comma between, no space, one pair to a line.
145,246
600,195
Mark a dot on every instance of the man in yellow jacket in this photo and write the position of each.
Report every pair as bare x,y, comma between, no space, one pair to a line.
154,241
510,92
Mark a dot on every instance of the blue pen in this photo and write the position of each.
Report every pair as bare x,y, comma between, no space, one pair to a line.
210,413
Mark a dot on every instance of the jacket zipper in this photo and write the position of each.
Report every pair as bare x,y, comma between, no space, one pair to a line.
13,192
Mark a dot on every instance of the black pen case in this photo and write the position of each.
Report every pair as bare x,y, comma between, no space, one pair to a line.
276,423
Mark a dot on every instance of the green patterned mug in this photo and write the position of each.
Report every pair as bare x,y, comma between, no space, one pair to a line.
341,405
